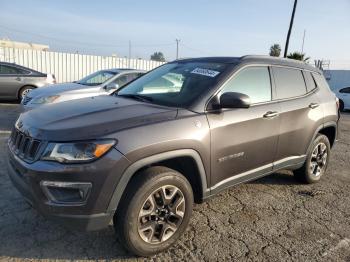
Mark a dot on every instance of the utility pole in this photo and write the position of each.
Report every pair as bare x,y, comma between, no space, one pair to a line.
129,53
177,48
302,46
290,29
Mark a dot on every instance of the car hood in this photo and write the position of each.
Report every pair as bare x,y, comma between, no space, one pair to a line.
57,89
90,118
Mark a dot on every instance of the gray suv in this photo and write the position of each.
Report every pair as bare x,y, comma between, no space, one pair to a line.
16,81
177,135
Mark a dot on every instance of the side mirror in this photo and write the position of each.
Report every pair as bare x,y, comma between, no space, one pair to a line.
111,86
234,100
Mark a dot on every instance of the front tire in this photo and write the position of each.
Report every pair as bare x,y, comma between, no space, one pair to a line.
155,211
316,162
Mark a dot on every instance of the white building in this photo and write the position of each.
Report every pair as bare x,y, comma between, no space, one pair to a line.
337,79
23,45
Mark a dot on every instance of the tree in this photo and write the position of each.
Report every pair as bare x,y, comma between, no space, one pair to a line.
158,56
275,50
298,56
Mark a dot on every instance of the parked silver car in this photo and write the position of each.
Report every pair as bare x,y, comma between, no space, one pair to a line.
343,95
16,81
102,82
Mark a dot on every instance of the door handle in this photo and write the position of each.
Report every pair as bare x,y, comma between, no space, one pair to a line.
313,105
270,114
18,79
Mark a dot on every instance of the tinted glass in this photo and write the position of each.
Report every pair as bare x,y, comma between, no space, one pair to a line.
289,82
310,82
252,81
10,70
345,90
175,84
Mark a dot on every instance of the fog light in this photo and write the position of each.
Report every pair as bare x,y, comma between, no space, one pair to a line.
66,193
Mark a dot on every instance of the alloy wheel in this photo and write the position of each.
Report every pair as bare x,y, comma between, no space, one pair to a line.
25,92
161,214
318,159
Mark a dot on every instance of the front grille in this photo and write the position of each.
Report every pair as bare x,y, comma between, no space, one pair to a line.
24,146
26,100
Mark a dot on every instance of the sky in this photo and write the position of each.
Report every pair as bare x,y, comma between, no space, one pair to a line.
205,28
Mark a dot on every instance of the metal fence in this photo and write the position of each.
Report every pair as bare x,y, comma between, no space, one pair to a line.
69,67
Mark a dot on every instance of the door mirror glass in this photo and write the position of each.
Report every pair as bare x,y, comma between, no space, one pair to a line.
234,100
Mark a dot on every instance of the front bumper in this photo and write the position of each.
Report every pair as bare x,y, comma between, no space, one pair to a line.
92,214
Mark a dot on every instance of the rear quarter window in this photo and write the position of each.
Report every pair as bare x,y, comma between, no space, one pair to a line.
320,81
310,81
289,82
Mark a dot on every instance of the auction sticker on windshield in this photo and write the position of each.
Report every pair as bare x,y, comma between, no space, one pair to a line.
205,72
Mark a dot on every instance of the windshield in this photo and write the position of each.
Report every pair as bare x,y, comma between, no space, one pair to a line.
97,78
175,84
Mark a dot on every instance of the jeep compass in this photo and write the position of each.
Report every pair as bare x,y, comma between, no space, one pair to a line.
140,157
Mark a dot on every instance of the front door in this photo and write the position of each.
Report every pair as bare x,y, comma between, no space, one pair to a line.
244,141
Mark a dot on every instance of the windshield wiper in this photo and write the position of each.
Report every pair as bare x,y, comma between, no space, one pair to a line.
137,97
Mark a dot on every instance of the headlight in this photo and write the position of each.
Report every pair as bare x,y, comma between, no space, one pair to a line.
77,152
44,100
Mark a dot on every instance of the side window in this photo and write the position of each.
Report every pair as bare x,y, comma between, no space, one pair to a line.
124,79
11,70
252,81
289,82
320,81
310,82
345,90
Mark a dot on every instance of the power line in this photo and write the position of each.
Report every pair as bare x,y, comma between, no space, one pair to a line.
195,49
70,42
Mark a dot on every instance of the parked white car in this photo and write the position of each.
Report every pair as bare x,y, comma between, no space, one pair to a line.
102,82
344,98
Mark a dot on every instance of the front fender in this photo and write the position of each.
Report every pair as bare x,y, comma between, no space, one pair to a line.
133,168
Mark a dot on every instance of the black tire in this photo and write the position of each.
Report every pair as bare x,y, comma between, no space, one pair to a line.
315,167
341,105
127,220
22,92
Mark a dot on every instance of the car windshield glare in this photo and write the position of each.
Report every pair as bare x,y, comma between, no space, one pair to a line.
176,84
97,78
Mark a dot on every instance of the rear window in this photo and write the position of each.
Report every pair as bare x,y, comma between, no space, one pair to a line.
289,82
310,81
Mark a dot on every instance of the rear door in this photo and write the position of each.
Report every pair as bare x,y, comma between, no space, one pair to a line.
244,141
301,114
11,80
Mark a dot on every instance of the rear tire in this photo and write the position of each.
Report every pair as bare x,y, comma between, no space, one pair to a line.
316,162
155,210
24,91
